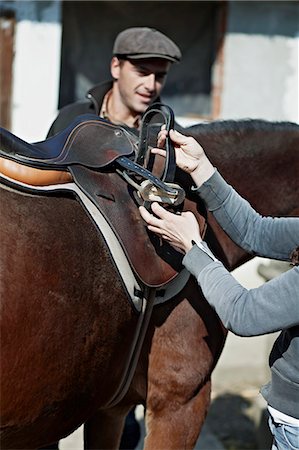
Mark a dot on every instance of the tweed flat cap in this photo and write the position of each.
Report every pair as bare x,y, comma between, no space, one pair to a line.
143,42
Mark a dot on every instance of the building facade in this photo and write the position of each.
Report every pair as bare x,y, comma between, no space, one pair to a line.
240,58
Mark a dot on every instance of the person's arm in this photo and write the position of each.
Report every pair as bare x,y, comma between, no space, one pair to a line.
265,236
271,307
266,309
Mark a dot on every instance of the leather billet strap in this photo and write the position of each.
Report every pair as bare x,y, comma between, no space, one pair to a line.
161,189
168,116
127,164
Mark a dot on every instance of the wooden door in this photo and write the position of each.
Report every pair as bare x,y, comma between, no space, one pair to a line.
7,26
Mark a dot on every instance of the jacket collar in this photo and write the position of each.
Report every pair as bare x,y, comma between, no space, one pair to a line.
97,93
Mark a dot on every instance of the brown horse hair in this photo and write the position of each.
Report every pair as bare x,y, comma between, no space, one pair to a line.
294,257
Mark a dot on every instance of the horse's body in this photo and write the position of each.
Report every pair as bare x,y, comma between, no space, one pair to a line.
67,323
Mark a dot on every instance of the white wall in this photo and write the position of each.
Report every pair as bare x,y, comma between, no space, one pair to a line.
36,68
260,65
261,61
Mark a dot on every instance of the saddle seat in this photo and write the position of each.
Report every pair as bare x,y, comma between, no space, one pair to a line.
89,141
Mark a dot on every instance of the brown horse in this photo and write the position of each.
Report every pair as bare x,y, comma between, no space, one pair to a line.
67,325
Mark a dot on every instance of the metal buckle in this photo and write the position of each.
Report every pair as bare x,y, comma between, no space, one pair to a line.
150,193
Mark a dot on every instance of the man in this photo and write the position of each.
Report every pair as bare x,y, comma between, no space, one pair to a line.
140,63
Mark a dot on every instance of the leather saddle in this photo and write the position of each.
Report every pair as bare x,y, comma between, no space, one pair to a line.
95,154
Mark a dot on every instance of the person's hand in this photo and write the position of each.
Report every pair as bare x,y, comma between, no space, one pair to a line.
190,156
177,230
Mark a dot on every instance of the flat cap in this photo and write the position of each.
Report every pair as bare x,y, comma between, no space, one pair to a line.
143,42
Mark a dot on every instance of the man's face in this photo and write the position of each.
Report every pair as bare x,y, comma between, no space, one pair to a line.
139,82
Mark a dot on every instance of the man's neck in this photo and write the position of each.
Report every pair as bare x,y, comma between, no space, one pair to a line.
118,113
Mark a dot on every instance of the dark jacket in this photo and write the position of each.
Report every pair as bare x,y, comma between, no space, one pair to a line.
92,105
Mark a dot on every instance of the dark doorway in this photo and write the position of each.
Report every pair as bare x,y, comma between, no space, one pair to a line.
89,30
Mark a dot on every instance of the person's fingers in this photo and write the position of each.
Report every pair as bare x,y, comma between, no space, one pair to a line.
145,214
161,138
156,230
159,151
179,138
161,212
149,218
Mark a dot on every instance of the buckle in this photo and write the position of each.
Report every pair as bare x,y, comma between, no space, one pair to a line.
148,192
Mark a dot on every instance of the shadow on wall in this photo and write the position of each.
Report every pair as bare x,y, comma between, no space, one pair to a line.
235,421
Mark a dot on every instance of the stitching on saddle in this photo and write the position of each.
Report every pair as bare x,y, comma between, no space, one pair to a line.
75,132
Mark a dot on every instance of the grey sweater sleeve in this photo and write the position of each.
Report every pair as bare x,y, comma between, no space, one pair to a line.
264,236
271,307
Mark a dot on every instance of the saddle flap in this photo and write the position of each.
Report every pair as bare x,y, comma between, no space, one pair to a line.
154,262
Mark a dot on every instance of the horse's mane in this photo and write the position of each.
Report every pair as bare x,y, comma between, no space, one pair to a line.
237,126
227,138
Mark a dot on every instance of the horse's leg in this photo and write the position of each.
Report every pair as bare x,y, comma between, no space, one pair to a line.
104,429
185,346
177,425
